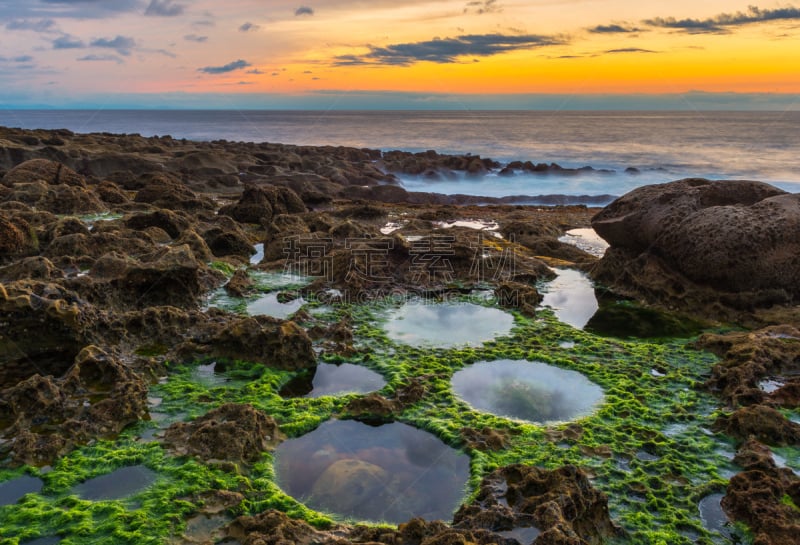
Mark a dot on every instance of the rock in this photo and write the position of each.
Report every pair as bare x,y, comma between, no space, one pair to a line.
748,358
761,422
757,496
97,397
32,268
226,238
694,243
110,193
172,223
273,528
170,277
232,432
16,239
518,296
484,438
49,172
561,503
260,204
276,343
240,284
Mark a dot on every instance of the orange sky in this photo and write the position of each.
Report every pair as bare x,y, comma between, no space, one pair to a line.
72,48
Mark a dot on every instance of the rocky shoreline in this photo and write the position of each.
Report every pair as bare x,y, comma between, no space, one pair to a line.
111,244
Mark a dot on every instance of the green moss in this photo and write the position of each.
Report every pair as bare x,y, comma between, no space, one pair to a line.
224,267
647,444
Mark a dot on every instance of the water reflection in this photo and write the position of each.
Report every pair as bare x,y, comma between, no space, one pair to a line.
713,517
526,390
329,379
447,325
270,305
587,240
387,473
571,296
12,491
116,485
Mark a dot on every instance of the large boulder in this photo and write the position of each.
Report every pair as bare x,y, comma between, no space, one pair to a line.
277,343
693,241
260,204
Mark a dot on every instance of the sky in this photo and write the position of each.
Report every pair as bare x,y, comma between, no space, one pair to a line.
399,54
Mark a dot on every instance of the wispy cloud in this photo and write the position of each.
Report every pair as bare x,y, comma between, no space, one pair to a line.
483,6
78,9
164,8
248,27
304,10
36,25
720,23
101,58
630,50
613,29
68,41
122,44
446,50
255,71
195,38
230,67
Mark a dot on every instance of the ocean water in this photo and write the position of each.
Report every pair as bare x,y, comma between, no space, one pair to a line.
663,146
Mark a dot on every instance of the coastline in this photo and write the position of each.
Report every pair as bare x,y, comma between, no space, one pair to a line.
112,243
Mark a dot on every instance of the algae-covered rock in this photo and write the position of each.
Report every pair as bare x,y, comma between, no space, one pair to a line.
762,422
561,503
232,432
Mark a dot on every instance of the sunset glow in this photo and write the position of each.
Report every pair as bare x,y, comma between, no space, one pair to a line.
60,52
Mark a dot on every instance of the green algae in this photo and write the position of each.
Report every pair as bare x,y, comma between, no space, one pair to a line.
647,445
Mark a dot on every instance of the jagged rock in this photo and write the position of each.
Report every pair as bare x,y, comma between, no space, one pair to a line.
240,284
762,422
561,503
16,239
277,343
260,204
31,268
232,432
756,496
518,295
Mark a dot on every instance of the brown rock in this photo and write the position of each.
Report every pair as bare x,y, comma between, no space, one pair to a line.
277,343
761,422
240,284
49,172
232,432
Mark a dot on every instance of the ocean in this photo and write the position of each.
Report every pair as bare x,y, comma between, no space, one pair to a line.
662,146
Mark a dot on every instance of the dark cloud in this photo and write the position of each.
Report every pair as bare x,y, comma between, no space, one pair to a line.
101,58
481,7
613,29
23,58
230,67
446,50
720,23
68,42
255,71
164,8
247,27
122,44
195,38
630,50
304,10
37,25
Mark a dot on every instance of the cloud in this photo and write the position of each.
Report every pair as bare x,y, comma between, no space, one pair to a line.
255,71
68,42
719,23
304,10
612,29
630,50
101,58
40,25
446,50
247,27
79,9
230,67
164,8
23,58
195,38
123,44
481,7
